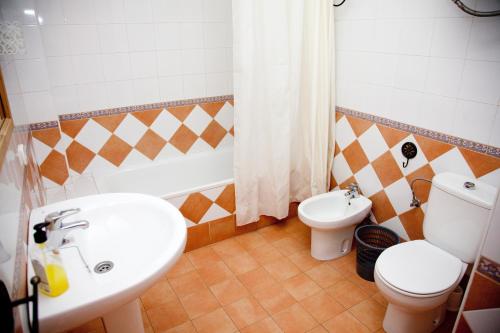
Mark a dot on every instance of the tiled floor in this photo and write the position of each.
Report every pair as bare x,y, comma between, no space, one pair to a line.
263,281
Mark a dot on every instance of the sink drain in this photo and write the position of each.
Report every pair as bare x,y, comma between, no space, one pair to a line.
103,267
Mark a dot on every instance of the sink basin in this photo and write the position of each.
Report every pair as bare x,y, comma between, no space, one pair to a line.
333,218
141,235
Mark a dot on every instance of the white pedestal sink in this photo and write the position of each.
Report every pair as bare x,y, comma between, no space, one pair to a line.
332,220
143,236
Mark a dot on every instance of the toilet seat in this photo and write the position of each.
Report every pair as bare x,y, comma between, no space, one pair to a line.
419,269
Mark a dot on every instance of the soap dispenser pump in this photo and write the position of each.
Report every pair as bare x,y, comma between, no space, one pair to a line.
47,264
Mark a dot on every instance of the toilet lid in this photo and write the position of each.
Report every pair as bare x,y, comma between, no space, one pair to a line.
418,267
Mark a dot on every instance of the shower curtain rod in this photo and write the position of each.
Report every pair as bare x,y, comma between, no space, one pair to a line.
460,5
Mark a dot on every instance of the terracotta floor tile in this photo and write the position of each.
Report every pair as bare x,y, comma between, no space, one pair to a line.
288,246
203,256
160,293
251,240
347,293
229,291
380,299
199,303
294,224
295,320
216,321
187,327
241,263
322,306
318,329
245,312
301,286
228,248
265,254
167,316
282,269
256,280
274,298
272,233
186,284
304,260
182,266
345,323
264,326
324,275
369,287
215,273
93,326
347,262
370,313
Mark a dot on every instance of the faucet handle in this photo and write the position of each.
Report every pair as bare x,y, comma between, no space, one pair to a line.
55,217
353,187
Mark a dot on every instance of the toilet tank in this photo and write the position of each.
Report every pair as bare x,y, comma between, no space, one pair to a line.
456,216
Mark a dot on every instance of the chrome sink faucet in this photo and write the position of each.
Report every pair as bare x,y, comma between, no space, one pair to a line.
352,192
57,230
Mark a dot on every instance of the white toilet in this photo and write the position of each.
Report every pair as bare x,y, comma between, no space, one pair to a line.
416,277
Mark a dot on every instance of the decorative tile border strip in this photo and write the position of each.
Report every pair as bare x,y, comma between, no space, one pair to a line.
143,107
43,125
489,268
450,139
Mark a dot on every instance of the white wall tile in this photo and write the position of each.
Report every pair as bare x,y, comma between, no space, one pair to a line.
437,113
405,106
32,43
415,36
450,37
10,77
79,11
192,35
61,70
141,37
109,11
88,68
166,10
191,10
485,39
217,60
194,85
39,106
444,76
480,82
32,75
168,35
65,99
138,11
92,96
50,11
386,35
217,10
120,93
169,63
218,84
116,66
55,40
218,34
193,61
410,72
83,39
143,64
495,131
474,121
171,88
146,91
113,38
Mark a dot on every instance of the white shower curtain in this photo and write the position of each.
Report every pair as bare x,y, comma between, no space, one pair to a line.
284,110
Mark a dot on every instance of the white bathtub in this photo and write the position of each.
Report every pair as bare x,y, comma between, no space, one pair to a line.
175,177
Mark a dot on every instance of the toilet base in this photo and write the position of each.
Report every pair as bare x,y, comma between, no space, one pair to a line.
126,319
398,320
327,244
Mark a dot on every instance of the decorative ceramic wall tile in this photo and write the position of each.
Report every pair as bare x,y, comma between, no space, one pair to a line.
369,153
107,140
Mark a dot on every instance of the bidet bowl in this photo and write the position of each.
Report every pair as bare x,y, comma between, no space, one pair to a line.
332,220
143,236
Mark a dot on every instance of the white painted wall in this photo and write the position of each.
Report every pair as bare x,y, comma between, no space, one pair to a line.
84,55
421,62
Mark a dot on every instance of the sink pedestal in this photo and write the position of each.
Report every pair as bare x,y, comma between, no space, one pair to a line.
125,319
327,244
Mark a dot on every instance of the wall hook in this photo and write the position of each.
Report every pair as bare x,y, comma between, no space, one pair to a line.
409,150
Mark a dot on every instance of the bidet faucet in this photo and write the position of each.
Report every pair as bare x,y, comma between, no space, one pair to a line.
352,192
57,230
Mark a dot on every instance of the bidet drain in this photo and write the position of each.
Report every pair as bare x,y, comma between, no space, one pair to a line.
103,267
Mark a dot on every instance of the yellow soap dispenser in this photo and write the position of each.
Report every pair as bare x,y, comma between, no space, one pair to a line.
48,265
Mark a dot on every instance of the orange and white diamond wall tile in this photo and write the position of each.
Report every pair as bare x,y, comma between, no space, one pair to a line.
107,140
368,152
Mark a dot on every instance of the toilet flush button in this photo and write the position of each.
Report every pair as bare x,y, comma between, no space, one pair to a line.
470,185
